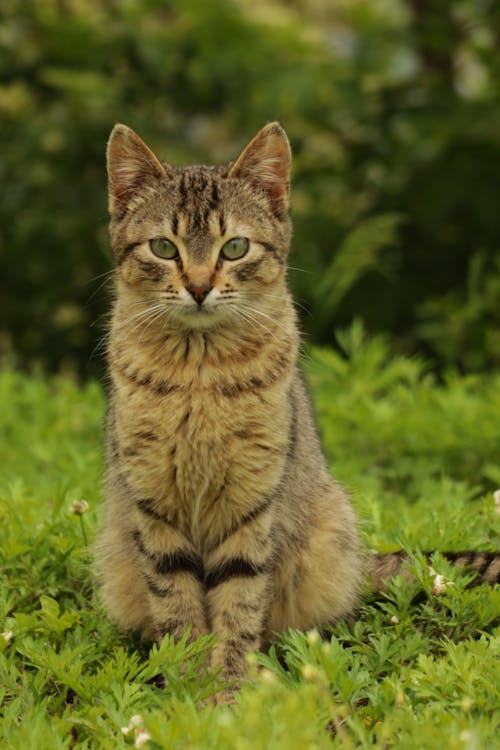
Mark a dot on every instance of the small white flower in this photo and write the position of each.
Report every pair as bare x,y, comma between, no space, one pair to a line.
496,500
309,672
394,619
267,676
7,635
141,737
135,721
312,636
440,582
440,585
79,507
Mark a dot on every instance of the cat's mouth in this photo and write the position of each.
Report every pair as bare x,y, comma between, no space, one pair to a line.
200,316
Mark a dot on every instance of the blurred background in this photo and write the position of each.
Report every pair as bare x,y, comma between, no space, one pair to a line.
393,111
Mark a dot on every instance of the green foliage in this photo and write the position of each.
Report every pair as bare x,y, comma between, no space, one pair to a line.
414,670
430,449
393,111
360,252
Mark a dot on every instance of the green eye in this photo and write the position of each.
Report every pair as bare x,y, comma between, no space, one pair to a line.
163,248
235,248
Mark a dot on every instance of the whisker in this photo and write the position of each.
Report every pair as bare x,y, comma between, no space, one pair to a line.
102,320
100,275
101,344
296,268
144,318
98,289
141,303
143,325
279,297
274,321
249,318
155,316
141,314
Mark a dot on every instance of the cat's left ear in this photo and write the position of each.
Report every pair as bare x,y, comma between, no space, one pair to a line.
265,163
131,165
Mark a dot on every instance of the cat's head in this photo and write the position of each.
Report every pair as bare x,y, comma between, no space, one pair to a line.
201,246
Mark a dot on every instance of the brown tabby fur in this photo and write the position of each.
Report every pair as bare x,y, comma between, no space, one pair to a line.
220,512
486,566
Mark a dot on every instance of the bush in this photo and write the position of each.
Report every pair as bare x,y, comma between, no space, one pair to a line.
392,108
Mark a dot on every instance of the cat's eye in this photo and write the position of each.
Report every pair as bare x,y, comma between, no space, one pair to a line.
235,248
163,248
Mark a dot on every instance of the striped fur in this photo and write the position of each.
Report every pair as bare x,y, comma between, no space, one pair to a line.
485,565
220,513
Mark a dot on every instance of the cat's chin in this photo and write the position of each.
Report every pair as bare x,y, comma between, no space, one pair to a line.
200,320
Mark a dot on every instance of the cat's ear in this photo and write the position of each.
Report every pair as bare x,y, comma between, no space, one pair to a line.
266,164
131,164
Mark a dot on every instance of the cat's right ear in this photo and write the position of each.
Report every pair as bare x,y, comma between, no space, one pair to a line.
131,164
265,163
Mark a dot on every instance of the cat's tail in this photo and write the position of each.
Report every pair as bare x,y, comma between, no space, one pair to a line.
486,565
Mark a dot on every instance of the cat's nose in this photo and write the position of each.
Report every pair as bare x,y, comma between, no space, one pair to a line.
198,292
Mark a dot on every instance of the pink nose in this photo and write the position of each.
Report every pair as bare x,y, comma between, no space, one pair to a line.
198,293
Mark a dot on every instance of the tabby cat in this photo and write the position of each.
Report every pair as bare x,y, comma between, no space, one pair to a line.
220,512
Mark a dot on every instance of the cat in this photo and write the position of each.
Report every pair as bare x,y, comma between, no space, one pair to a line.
220,512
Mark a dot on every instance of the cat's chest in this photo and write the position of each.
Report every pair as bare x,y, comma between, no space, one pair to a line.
203,455
205,442
195,438
173,445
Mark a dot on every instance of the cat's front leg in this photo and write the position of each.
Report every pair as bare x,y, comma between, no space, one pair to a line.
173,574
238,584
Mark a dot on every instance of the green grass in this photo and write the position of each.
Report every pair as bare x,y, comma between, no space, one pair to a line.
415,671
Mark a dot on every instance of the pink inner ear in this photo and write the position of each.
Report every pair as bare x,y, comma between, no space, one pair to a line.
266,164
125,174
273,172
130,164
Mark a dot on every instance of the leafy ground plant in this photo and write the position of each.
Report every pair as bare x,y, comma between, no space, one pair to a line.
418,668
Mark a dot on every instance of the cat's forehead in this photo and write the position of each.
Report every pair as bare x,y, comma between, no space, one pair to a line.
198,182
196,194
196,170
